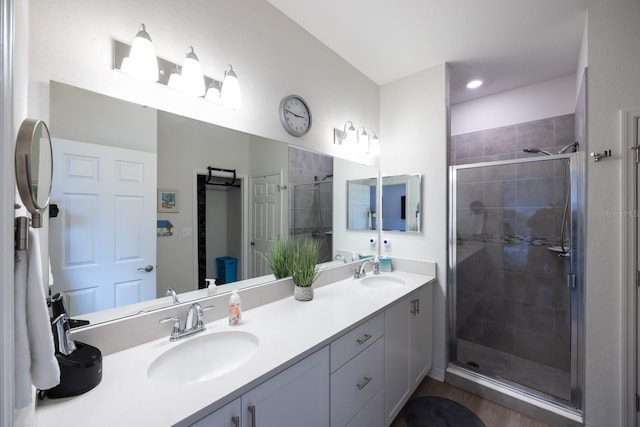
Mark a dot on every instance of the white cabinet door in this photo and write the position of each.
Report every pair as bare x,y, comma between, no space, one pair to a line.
227,416
298,396
421,335
397,382
407,350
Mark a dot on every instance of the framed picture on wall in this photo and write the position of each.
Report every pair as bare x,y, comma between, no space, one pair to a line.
168,200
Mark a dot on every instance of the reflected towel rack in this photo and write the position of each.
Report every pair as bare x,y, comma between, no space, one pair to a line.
222,173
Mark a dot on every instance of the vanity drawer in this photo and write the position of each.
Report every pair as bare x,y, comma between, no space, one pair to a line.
372,415
347,346
353,385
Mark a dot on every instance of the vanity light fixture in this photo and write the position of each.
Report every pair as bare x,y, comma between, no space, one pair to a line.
191,78
345,137
474,84
230,95
362,137
142,61
187,78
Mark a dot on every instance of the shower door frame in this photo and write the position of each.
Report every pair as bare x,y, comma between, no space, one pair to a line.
576,263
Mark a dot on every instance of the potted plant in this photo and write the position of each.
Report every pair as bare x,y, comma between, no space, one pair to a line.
280,257
305,268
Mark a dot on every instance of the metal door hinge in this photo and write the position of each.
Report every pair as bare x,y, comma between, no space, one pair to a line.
637,277
571,281
637,403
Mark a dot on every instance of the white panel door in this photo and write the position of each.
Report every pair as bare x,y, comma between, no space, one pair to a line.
359,205
266,220
105,233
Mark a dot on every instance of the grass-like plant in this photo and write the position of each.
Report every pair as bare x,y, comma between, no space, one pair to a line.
305,265
280,257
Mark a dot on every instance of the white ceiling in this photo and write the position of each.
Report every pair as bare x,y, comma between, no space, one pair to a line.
506,43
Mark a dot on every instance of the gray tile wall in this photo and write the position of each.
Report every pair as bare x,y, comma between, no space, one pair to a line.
507,142
511,293
309,208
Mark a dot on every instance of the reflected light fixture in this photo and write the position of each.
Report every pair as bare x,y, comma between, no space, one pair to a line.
230,95
474,84
213,92
345,137
362,140
374,144
142,61
191,78
174,78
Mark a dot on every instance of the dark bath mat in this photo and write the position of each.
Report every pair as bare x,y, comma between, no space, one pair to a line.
431,411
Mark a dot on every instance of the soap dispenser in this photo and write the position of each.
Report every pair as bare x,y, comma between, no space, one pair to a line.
235,310
376,265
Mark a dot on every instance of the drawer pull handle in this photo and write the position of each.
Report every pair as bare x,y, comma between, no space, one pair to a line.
236,421
364,339
252,411
362,384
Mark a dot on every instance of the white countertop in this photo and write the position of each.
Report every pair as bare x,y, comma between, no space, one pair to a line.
288,331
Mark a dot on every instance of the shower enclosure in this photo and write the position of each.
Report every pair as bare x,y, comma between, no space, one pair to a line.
514,252
313,214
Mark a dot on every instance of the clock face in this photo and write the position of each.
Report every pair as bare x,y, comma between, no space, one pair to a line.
295,115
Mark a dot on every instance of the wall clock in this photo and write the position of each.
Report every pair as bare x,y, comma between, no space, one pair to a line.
295,115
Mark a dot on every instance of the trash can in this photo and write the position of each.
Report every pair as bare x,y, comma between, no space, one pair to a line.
227,267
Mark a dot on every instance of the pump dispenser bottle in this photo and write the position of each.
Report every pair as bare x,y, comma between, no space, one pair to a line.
235,310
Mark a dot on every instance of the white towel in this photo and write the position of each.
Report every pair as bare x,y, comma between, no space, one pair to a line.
35,361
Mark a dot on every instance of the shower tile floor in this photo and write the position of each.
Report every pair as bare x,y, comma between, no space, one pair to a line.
522,371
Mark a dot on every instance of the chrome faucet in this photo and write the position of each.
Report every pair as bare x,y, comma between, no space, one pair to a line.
192,324
359,271
337,257
173,294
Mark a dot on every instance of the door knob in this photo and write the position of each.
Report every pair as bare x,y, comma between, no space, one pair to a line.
148,268
253,243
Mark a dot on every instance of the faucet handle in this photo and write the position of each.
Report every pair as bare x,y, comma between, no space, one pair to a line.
199,312
175,333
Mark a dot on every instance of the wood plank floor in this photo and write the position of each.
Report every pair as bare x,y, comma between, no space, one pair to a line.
492,414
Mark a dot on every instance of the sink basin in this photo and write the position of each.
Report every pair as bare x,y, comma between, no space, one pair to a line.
203,358
382,282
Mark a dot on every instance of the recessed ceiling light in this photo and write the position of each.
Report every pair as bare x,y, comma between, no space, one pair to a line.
473,84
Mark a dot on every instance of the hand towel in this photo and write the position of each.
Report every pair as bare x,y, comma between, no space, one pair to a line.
35,361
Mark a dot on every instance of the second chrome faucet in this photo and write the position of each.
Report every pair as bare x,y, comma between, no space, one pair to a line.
193,323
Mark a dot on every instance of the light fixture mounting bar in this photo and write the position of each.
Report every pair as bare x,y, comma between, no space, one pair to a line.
121,51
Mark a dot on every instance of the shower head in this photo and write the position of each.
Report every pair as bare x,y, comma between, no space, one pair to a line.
536,150
573,146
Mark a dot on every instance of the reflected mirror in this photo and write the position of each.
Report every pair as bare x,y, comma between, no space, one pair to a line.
179,202
402,203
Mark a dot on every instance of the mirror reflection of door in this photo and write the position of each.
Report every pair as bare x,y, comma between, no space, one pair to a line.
266,219
219,229
359,208
106,227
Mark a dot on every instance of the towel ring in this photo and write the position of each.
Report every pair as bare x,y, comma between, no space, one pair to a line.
34,167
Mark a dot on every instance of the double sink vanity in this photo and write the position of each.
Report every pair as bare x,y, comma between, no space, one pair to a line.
352,356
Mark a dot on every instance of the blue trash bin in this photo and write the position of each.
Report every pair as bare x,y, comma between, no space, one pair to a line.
227,267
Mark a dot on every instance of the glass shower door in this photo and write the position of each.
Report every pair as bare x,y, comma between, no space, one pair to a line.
511,271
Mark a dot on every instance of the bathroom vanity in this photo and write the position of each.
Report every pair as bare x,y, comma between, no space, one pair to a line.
351,356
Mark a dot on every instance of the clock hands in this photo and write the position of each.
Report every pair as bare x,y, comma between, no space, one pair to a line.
297,115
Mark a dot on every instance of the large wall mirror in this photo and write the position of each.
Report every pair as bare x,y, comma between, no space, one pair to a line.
149,200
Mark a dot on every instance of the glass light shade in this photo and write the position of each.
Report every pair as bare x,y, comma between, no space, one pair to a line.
175,80
142,62
230,95
363,141
192,80
213,94
350,135
374,145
